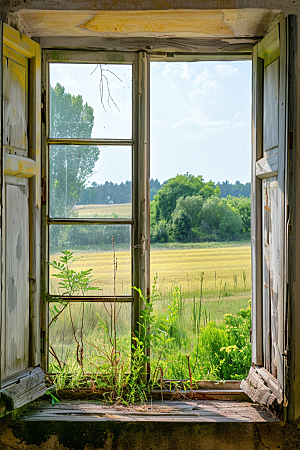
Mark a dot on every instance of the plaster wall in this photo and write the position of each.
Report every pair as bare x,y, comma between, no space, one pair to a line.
114,435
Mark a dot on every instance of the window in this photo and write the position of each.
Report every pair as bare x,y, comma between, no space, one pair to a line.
91,176
270,312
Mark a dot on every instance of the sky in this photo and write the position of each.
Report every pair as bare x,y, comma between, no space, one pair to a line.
200,117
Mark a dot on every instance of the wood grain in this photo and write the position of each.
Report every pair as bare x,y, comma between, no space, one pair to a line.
24,389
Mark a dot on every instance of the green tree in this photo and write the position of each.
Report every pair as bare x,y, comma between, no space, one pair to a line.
181,186
192,205
181,226
70,165
219,218
243,206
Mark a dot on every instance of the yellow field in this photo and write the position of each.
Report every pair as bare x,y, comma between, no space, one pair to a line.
223,268
184,268
121,209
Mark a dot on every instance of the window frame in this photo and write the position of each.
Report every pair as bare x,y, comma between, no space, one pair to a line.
136,243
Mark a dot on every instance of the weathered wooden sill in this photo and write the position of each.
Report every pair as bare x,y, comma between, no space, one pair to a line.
181,411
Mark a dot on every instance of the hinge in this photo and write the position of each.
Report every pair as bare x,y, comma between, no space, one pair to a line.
43,112
287,354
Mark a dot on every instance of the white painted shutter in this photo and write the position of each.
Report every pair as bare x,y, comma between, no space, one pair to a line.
266,380
22,380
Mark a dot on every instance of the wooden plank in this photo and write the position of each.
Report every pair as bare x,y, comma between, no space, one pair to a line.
279,303
269,44
292,285
256,210
263,396
34,153
226,23
235,47
182,411
15,106
18,42
15,322
271,382
262,387
267,229
19,166
271,108
24,390
267,167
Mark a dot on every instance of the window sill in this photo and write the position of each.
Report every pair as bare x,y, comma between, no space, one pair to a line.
157,411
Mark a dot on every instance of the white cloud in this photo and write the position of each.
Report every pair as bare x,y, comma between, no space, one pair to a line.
198,123
225,70
201,77
155,64
209,87
182,70
70,82
193,95
238,114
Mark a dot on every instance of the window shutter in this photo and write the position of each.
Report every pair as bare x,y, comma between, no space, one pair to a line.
266,381
22,380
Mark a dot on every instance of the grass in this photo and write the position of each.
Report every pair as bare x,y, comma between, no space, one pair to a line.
212,282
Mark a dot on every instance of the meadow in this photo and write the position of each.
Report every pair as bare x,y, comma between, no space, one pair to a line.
209,283
119,209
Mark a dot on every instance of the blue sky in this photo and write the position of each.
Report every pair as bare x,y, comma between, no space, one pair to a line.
201,120
200,117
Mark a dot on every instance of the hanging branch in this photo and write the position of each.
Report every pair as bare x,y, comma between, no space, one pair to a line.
104,80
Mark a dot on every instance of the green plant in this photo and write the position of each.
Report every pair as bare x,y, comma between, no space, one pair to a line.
71,282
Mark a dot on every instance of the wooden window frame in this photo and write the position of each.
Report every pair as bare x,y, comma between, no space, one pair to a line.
140,192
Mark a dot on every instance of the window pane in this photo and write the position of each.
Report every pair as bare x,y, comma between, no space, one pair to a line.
93,249
93,324
90,181
91,101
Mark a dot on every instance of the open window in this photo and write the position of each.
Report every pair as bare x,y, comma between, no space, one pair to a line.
22,379
26,295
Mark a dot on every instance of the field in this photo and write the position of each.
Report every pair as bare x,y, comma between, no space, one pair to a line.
121,210
211,281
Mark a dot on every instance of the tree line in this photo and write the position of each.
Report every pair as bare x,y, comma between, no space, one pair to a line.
109,192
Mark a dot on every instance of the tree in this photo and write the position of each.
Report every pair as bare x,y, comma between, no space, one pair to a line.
181,186
219,218
192,205
243,206
181,225
70,165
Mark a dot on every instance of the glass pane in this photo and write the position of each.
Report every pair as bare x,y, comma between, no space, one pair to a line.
201,215
93,249
90,181
91,101
88,326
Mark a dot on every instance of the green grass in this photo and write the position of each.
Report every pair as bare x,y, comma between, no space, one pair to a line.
213,282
